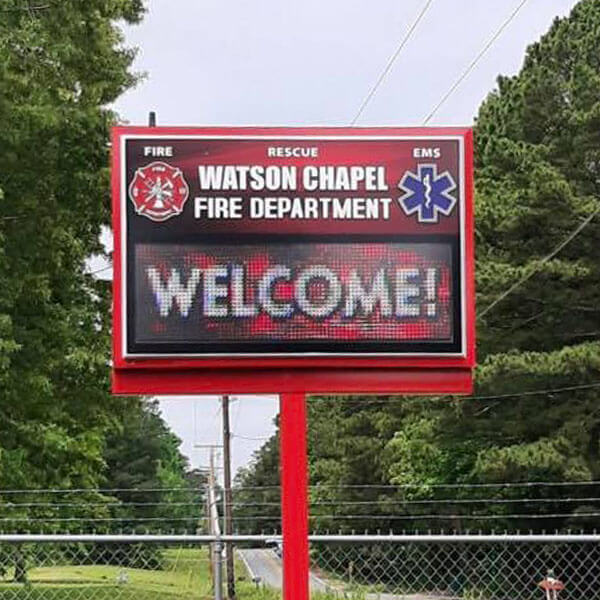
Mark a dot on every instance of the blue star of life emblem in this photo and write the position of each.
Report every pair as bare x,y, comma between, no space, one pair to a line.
427,193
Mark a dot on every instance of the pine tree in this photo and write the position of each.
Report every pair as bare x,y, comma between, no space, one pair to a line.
537,148
537,182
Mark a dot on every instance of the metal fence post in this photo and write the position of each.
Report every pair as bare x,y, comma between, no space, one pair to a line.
218,569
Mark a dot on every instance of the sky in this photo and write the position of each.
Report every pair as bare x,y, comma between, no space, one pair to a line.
313,62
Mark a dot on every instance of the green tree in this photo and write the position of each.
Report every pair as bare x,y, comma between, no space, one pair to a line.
61,65
256,495
537,148
148,475
537,186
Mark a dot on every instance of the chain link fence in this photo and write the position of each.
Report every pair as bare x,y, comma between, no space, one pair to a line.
103,568
409,567
458,566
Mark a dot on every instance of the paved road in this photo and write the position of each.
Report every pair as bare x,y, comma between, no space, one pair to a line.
264,563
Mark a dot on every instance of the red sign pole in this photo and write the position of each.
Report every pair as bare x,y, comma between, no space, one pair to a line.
294,495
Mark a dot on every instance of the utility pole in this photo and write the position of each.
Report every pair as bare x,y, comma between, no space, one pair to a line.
228,513
216,531
212,516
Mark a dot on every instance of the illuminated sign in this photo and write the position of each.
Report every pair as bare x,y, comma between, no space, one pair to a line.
318,296
241,243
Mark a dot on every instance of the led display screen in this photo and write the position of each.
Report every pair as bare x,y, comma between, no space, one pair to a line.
299,292
263,245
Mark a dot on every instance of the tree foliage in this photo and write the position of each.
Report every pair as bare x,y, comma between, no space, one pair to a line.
62,64
537,183
257,490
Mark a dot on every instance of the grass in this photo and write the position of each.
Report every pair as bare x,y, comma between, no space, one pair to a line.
185,574
100,582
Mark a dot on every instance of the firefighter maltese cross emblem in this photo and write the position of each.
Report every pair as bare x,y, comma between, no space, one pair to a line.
427,193
158,191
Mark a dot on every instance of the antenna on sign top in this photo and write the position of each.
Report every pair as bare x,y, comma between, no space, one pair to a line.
151,119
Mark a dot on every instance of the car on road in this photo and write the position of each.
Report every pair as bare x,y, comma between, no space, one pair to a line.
276,545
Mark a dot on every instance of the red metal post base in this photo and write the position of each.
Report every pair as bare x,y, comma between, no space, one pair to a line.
294,495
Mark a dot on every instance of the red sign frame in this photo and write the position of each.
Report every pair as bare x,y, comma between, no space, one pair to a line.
416,374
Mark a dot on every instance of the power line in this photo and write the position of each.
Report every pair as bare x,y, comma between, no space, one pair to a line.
451,501
537,392
423,517
392,399
250,439
391,61
100,270
475,61
18,505
455,516
544,260
458,501
501,484
505,484
86,505
98,491
99,519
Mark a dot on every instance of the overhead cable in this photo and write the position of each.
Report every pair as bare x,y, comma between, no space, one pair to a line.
474,62
544,260
391,61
